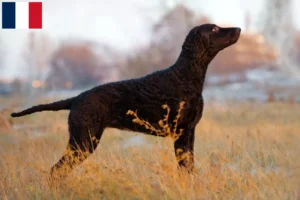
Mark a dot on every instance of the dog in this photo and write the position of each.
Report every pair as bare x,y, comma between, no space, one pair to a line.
140,104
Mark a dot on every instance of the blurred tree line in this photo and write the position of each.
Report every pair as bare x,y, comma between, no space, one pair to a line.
73,64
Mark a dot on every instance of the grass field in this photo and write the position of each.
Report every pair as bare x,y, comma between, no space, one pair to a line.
242,150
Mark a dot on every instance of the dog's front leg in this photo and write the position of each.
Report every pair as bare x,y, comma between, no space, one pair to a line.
184,149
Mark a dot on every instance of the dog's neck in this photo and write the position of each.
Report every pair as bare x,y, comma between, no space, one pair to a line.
192,67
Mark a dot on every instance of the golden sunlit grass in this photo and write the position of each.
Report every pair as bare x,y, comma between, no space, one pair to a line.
242,151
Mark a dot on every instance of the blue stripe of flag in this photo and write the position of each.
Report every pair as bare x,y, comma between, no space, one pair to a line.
8,15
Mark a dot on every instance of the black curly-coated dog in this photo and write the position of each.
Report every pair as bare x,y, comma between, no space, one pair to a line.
117,104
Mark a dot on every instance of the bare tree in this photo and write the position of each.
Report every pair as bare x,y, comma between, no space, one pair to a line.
36,56
279,30
167,37
2,54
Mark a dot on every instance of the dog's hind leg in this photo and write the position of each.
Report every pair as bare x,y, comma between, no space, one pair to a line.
83,141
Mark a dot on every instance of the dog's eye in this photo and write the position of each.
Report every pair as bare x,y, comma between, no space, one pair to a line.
215,29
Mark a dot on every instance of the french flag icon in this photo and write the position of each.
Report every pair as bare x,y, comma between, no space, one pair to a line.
22,15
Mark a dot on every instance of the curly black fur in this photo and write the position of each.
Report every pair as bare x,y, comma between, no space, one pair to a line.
107,105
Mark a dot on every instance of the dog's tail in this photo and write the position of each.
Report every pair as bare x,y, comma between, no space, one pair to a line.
55,106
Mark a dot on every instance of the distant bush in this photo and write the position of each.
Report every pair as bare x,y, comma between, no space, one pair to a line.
76,65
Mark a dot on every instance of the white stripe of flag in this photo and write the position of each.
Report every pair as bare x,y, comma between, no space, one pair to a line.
22,15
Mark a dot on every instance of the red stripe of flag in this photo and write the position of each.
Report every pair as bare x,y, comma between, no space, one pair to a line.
35,15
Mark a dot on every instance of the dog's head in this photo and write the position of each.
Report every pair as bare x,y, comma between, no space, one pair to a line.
210,39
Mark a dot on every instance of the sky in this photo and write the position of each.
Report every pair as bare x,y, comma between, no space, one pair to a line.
119,23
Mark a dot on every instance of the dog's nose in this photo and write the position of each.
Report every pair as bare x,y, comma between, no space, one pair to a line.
237,32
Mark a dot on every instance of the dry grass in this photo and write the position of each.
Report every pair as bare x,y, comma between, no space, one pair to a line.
250,151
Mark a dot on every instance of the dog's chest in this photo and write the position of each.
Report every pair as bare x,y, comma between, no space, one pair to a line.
193,108
193,104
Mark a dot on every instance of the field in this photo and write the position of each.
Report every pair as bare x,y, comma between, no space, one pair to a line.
243,151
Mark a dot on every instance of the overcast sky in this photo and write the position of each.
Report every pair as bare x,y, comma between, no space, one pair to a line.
122,23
